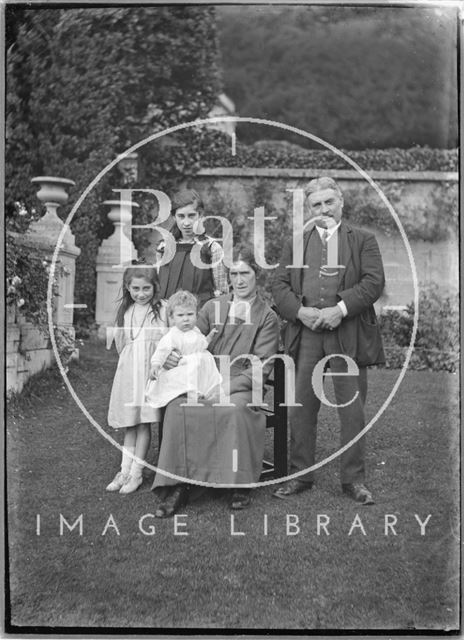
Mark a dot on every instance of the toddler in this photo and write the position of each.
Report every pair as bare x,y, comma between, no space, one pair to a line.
196,372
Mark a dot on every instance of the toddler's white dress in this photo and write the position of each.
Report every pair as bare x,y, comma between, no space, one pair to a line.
135,346
196,370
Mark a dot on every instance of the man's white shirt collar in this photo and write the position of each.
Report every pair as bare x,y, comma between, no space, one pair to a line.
330,231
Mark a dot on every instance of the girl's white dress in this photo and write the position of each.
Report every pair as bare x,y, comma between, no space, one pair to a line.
135,345
196,370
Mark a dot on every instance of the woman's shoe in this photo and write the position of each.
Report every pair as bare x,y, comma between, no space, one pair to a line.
117,482
240,499
132,484
177,499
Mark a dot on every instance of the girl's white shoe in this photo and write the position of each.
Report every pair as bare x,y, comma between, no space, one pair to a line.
118,481
131,485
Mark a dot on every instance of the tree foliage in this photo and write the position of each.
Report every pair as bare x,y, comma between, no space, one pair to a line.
84,84
358,77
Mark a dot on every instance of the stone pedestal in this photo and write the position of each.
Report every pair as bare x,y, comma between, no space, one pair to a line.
28,348
44,234
114,254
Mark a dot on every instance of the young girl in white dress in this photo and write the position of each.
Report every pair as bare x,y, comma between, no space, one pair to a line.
197,374
140,324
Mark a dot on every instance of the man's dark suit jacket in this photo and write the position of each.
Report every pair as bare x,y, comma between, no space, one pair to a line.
360,284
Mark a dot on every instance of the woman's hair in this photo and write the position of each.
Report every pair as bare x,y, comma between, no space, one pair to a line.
149,274
245,253
181,299
182,199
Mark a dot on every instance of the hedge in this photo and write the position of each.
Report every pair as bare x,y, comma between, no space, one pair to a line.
276,154
436,346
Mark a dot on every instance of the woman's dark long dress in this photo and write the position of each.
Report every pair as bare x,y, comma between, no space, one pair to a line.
198,442
180,273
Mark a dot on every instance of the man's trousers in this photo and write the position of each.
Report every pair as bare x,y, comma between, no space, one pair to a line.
349,390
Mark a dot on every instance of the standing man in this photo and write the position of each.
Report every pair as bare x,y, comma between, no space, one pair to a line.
329,312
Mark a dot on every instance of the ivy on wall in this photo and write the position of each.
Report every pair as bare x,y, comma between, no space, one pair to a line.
420,221
27,274
363,207
284,155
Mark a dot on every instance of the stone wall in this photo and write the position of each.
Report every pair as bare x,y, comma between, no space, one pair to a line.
28,351
426,204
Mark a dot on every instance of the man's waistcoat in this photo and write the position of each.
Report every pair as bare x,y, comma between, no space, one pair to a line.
319,290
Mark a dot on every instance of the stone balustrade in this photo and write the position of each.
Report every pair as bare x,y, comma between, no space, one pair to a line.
113,255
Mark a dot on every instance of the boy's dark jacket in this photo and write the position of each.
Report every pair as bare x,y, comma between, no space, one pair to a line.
360,284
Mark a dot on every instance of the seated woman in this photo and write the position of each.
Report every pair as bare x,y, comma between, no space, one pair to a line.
199,441
180,272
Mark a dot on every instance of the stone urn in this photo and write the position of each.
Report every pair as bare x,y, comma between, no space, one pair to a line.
53,190
52,193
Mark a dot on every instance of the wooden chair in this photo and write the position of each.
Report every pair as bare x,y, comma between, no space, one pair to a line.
276,418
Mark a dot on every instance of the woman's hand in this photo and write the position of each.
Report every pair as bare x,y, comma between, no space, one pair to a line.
211,335
172,360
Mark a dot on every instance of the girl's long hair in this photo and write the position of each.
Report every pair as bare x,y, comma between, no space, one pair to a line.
150,275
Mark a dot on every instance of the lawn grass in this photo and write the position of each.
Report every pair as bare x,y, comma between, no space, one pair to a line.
59,463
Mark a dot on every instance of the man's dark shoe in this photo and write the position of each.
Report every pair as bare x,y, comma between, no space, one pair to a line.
173,502
358,492
240,499
292,488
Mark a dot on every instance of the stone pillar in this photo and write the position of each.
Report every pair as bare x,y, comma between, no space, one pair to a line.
44,233
28,348
112,258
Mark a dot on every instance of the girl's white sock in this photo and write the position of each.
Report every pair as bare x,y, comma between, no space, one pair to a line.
136,469
127,461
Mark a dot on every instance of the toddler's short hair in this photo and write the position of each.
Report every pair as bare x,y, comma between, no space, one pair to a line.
181,299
